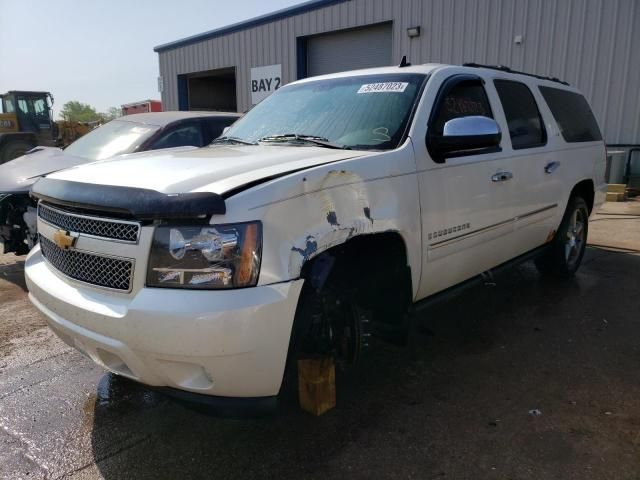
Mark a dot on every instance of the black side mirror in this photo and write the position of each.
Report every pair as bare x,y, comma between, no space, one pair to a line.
465,135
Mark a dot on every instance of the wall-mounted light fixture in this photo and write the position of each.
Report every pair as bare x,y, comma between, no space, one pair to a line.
413,32
518,39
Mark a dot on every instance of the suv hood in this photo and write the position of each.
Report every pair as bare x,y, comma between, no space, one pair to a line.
217,169
17,176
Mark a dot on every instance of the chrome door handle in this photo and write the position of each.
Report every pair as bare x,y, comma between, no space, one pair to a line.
502,177
551,167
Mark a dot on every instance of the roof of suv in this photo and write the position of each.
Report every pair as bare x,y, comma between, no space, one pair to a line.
161,119
426,68
429,68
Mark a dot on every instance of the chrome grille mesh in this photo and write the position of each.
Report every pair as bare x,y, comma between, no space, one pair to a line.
106,228
88,267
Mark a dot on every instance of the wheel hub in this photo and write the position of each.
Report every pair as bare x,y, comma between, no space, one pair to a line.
575,236
338,328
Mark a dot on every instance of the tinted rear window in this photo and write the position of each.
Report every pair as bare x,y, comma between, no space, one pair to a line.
573,114
523,118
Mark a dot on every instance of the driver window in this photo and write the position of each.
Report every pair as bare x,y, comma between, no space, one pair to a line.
185,135
465,99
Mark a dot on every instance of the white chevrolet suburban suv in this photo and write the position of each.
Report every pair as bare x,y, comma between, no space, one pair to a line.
334,206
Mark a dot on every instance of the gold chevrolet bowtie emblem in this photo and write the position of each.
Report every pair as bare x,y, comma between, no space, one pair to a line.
65,239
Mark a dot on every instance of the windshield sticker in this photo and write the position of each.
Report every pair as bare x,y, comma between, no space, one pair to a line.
383,87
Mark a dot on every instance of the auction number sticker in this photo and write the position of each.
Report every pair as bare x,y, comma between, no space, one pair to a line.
383,87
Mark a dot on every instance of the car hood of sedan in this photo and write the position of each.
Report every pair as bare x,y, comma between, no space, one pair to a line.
218,169
17,176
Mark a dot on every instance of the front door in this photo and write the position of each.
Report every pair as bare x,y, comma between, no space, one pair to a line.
467,216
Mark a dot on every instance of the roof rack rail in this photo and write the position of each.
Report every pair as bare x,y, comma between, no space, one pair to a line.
504,68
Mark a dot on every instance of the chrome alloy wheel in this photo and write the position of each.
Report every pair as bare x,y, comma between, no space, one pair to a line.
575,239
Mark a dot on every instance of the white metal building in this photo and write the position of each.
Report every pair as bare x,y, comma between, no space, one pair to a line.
593,44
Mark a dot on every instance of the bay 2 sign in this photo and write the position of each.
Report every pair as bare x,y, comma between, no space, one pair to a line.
264,81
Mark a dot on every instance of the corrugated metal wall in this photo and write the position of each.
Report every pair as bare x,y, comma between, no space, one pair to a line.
350,49
593,44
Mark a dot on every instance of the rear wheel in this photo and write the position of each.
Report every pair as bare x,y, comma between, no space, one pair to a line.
567,249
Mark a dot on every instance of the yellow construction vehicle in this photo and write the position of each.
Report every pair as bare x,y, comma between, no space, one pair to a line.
26,122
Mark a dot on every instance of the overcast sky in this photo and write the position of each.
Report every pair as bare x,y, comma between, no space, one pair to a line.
100,52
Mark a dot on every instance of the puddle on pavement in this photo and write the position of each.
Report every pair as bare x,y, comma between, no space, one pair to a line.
119,395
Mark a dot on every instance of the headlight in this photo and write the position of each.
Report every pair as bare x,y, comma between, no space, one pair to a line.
209,257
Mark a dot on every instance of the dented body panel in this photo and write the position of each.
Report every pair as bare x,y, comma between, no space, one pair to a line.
310,211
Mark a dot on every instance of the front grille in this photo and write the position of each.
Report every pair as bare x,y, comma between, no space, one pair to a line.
88,267
106,228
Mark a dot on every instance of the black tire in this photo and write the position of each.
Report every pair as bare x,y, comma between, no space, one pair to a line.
567,249
15,149
348,319
335,306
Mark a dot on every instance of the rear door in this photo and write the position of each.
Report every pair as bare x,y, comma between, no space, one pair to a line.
536,187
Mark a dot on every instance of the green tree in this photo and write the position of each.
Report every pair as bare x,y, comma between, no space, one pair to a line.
111,114
75,111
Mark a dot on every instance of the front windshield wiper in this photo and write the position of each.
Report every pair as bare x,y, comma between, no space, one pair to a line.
241,141
301,138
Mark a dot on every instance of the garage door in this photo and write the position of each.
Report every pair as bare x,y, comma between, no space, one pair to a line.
349,50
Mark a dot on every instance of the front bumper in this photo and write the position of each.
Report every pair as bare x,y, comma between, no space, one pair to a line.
231,343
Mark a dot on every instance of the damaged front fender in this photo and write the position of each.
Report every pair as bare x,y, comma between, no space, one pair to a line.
309,212
325,237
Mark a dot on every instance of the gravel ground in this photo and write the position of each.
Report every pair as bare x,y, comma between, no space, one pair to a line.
528,379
